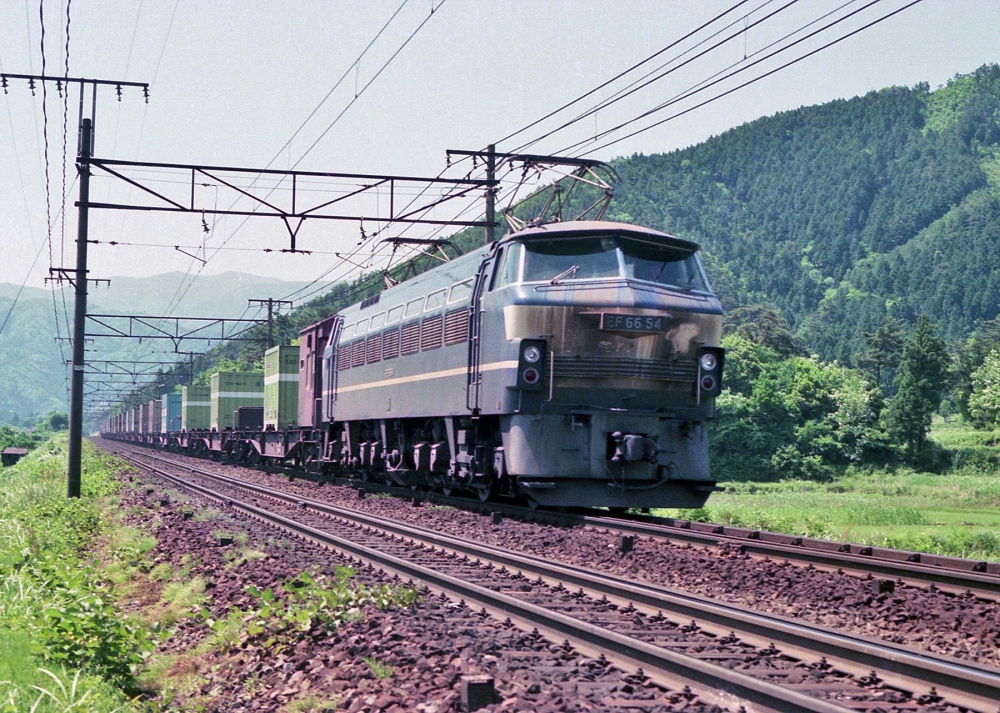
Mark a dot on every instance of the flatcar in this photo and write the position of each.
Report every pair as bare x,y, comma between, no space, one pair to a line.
569,364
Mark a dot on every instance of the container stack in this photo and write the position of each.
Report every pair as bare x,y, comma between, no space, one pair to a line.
143,418
281,388
196,408
230,391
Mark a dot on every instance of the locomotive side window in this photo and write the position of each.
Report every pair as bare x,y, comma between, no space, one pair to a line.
347,333
435,300
571,259
508,272
460,291
662,264
414,307
394,315
377,321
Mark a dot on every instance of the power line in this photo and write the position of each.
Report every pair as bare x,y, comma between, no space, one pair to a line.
622,74
181,288
643,85
714,79
759,78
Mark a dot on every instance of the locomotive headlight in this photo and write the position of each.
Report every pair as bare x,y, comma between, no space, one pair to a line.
708,361
532,354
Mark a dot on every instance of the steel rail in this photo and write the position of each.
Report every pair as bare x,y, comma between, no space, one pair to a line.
955,572
745,687
946,672
950,571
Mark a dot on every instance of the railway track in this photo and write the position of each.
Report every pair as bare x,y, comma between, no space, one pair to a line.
952,573
709,644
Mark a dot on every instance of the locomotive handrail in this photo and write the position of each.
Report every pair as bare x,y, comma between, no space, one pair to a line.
474,369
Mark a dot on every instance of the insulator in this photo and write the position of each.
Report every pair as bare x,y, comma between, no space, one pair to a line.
3,81
59,87
31,86
145,93
118,91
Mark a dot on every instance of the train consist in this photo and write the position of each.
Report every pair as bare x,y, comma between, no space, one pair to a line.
571,364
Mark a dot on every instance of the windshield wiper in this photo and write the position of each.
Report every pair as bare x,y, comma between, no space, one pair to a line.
565,273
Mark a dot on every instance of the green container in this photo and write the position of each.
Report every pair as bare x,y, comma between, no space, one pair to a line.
230,391
196,408
155,414
281,388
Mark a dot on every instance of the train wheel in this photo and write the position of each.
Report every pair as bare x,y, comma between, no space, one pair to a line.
485,491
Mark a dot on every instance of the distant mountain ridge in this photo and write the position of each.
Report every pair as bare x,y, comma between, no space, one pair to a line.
32,374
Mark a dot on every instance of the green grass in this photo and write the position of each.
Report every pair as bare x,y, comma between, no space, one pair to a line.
955,513
64,643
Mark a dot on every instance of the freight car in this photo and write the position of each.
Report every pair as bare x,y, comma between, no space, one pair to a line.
570,364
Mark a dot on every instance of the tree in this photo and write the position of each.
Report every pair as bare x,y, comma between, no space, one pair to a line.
764,325
921,381
883,347
984,401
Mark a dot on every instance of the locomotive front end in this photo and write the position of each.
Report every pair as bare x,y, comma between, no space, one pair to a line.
615,334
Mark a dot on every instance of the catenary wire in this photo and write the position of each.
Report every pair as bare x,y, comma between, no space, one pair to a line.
757,79
182,288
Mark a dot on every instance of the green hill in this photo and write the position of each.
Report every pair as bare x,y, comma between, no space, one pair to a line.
844,213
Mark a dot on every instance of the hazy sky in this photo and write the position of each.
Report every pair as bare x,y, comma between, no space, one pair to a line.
231,83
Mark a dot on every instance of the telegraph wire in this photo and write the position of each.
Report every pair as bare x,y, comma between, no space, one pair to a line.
759,78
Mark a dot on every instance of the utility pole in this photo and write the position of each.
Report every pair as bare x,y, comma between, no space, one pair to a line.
79,314
78,276
491,192
271,304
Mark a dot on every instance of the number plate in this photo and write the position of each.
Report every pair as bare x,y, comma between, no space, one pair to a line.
633,323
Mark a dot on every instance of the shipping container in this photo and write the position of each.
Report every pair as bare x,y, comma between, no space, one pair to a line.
230,390
196,408
170,416
143,418
281,388
155,415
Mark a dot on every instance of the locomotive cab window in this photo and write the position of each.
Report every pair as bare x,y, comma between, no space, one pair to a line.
394,315
435,300
508,266
610,257
662,264
571,259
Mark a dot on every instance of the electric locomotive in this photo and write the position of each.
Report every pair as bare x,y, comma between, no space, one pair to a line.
571,364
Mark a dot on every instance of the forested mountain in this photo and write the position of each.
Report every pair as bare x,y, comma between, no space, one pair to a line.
845,213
